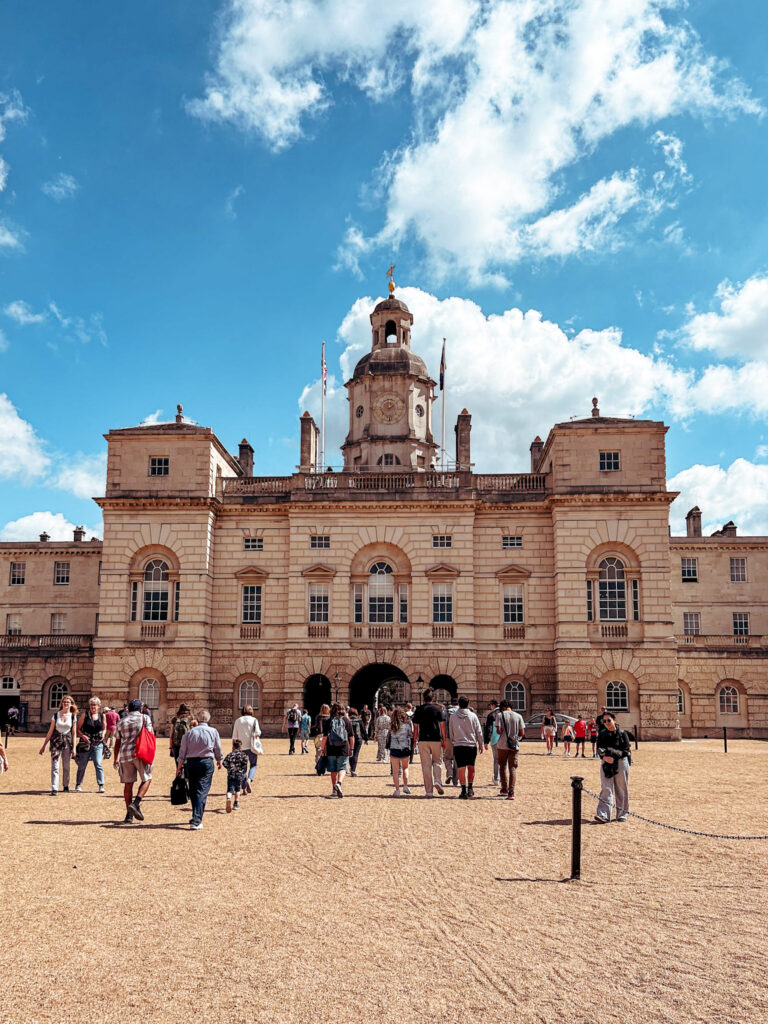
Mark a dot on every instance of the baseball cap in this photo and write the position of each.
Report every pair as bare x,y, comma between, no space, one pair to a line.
135,704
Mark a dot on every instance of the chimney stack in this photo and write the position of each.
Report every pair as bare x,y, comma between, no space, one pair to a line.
693,522
79,534
463,428
537,447
245,457
729,530
309,449
44,537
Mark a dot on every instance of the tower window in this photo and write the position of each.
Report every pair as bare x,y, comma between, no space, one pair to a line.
390,332
159,465
318,540
359,411
609,462
388,459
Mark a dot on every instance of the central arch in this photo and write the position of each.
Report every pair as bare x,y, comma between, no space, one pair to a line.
365,684
442,685
317,691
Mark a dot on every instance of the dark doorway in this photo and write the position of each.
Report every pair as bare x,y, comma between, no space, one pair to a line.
445,688
368,681
317,691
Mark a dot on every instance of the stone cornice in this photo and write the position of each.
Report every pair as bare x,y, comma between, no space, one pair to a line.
513,573
32,548
442,571
613,498
158,503
719,543
319,571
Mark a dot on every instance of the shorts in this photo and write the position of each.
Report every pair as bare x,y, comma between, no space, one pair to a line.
549,730
579,739
336,762
464,756
402,754
235,781
129,771
304,734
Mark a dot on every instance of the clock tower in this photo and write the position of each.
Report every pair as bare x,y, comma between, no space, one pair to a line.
390,398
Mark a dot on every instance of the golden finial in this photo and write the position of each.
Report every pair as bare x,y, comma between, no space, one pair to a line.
391,276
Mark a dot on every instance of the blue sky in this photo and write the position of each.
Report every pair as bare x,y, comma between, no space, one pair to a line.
195,195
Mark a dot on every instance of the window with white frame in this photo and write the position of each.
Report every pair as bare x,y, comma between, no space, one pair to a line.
18,574
388,459
318,602
513,603
617,697
8,683
741,623
159,465
13,624
155,591
402,590
689,570
738,570
253,543
692,623
729,700
609,462
590,602
58,623
442,540
251,603
442,602
318,540
680,701
55,693
514,692
612,590
381,593
357,603
149,693
248,694
61,574
512,542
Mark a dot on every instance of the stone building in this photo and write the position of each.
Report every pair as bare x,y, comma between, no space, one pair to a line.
558,587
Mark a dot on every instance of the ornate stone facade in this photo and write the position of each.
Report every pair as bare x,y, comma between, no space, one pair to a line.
560,586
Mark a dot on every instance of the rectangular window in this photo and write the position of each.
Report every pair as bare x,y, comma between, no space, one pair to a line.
319,541
403,592
318,602
134,600
61,574
155,602
609,462
98,576
96,624
252,604
159,465
176,601
692,623
513,603
253,543
442,602
58,623
8,683
13,624
741,623
636,600
738,570
18,574
357,602
380,606
511,542
388,459
689,570
442,540
590,604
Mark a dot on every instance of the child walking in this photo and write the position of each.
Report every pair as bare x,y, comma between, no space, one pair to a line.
237,765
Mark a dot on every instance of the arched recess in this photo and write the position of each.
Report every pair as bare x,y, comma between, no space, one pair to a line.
517,691
368,681
684,713
247,689
618,550
444,684
135,689
626,719
317,691
139,582
140,558
365,556
730,693
53,690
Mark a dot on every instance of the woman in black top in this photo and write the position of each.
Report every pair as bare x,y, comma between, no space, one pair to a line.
615,753
359,733
90,735
549,730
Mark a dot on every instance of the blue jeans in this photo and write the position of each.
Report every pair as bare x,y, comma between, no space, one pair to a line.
94,754
253,761
200,775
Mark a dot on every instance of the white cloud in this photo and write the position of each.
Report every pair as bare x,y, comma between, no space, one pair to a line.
84,476
23,314
56,525
22,453
11,109
62,186
229,206
3,342
10,238
738,492
672,148
741,326
152,419
761,451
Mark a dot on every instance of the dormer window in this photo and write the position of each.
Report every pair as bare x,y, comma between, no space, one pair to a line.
388,459
609,462
159,465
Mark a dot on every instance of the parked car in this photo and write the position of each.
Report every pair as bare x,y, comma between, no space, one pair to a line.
533,724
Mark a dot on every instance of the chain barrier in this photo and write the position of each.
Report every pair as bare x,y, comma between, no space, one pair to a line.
675,828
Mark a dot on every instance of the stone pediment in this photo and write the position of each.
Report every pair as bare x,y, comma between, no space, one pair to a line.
251,574
442,571
513,573
319,571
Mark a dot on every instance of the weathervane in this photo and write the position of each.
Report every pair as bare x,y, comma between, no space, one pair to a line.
391,276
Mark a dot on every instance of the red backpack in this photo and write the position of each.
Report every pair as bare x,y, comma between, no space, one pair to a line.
145,744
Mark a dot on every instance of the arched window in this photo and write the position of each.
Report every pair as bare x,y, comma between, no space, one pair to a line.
612,590
388,459
156,590
390,332
248,694
617,697
56,692
729,700
680,701
514,692
149,693
442,696
381,593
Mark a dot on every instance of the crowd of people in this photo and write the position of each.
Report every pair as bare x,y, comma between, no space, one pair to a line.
446,737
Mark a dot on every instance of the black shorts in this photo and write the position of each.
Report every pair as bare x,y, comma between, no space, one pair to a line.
464,756
403,755
579,739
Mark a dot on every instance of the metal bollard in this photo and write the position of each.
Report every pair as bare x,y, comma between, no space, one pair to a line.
576,785
725,740
635,737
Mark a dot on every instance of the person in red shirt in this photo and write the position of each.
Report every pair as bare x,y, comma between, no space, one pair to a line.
111,718
592,732
580,735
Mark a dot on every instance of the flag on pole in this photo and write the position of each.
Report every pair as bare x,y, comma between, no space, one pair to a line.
442,368
325,372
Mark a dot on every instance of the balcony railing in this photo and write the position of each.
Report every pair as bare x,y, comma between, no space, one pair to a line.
613,630
152,630
20,640
442,632
250,632
510,481
318,631
514,632
720,640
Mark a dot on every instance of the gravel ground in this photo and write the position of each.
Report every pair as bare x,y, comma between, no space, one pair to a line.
299,908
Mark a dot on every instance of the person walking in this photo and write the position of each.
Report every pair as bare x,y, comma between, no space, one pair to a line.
200,747
400,745
111,718
466,733
247,730
511,729
358,734
90,730
429,735
11,722
60,739
580,735
338,739
305,725
613,748
491,736
3,759
549,730
365,718
323,714
236,766
381,731
592,732
451,771
567,738
291,723
180,723
131,768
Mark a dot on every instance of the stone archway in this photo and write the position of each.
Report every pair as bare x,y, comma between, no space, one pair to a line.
317,691
445,687
366,683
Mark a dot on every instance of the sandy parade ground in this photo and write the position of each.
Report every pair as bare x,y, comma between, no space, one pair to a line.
303,909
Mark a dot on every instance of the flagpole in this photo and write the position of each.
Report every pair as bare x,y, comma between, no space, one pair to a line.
321,467
442,387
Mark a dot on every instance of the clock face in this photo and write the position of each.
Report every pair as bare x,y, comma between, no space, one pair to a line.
419,410
388,407
359,411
